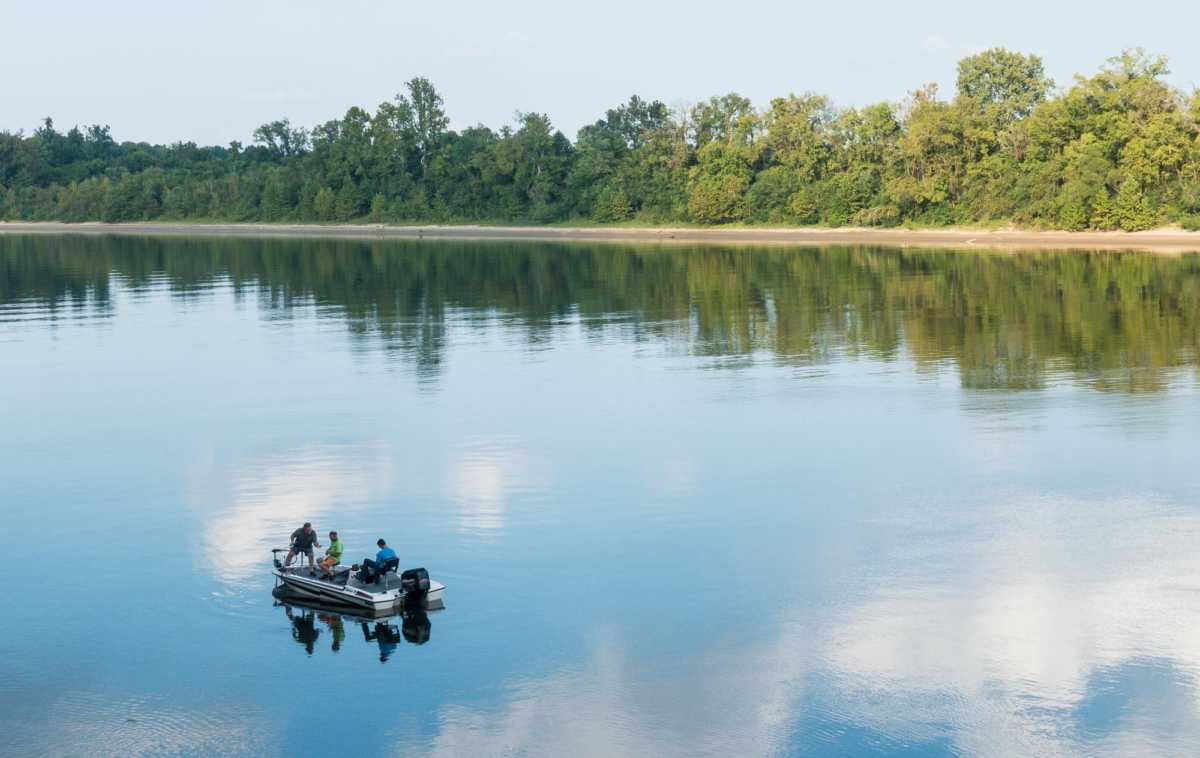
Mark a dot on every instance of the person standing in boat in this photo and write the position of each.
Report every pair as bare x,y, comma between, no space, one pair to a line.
304,540
333,556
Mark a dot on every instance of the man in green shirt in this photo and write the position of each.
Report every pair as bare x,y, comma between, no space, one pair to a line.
333,556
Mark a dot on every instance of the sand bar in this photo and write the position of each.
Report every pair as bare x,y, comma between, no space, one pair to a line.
1168,240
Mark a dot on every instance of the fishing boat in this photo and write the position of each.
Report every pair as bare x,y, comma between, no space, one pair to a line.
390,592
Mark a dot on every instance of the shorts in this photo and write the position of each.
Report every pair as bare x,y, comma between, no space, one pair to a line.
302,551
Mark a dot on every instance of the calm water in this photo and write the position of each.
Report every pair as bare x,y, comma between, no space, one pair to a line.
687,501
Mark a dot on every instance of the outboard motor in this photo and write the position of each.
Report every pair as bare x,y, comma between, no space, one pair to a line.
414,583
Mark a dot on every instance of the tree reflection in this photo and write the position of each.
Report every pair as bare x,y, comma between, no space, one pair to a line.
1113,320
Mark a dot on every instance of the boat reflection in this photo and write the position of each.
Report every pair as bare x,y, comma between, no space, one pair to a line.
414,629
310,620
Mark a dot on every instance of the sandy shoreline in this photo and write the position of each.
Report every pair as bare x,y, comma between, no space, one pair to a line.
1159,240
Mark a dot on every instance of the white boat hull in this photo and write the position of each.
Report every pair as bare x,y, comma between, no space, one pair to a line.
369,597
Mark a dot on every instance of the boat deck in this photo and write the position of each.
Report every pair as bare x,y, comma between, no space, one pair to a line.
342,577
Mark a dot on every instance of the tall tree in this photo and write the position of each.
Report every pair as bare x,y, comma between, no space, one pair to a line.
429,119
281,139
1008,84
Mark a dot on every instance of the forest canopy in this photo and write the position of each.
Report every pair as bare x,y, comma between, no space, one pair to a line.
1117,150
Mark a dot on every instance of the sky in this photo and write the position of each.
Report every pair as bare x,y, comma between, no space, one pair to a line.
211,72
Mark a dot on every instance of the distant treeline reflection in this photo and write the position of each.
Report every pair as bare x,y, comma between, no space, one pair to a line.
1115,321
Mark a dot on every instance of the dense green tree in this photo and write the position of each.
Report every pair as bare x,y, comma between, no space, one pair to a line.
798,135
276,203
1119,149
613,205
718,183
429,120
281,140
351,200
728,118
324,205
1008,86
603,150
769,198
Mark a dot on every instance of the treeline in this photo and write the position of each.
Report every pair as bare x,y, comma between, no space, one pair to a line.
1110,321
1117,150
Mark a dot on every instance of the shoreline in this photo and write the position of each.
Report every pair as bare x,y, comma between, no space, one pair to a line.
1167,240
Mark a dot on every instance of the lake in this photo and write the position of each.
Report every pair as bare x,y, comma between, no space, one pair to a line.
686,500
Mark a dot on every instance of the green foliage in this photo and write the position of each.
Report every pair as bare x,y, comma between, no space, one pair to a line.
605,152
769,197
798,137
1008,85
1117,150
350,201
324,205
805,205
378,208
718,199
879,215
276,203
718,183
1128,210
612,205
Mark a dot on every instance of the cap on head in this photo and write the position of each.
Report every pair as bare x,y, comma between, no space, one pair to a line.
333,534
381,543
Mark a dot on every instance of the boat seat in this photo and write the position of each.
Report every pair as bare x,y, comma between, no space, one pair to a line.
390,566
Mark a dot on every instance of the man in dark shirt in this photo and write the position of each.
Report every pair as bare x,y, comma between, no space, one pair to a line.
303,541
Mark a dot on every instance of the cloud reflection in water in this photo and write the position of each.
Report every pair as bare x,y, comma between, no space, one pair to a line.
1047,626
270,497
486,472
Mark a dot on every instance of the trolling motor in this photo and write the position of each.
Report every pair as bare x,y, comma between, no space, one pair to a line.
275,557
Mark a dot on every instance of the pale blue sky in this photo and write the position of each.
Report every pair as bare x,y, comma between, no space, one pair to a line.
212,71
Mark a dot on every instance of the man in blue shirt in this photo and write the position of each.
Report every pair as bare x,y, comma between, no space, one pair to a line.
385,553
374,568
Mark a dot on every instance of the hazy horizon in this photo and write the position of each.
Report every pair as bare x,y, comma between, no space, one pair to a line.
212,74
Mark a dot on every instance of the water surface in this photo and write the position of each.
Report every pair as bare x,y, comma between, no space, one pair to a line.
687,500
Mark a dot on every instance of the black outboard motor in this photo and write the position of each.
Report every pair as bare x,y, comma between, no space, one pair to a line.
414,583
